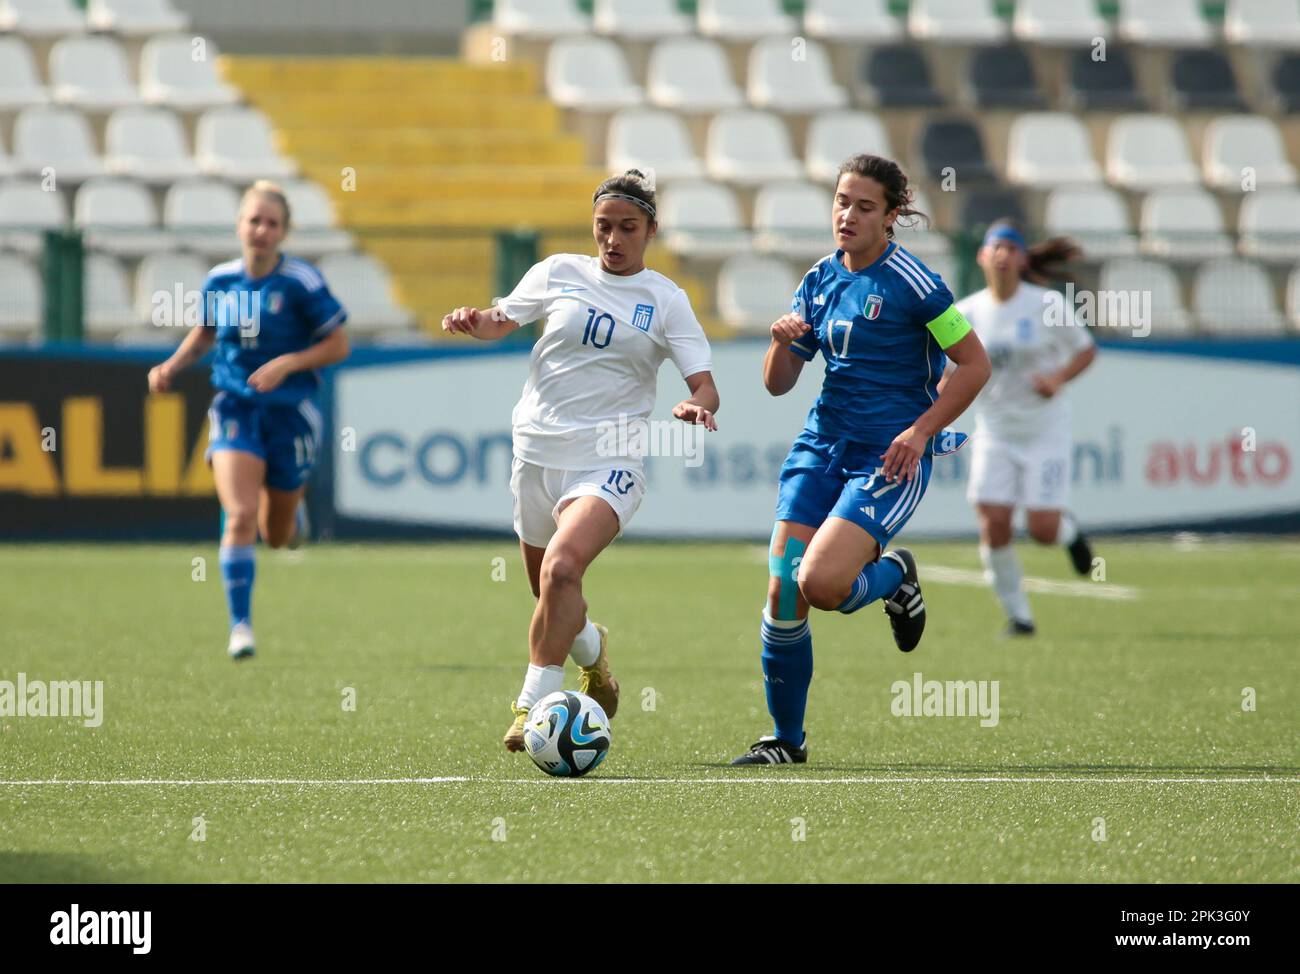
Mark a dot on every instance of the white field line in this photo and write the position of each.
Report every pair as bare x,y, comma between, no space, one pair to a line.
542,780
1045,586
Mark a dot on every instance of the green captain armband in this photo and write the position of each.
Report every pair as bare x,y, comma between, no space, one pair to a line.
950,327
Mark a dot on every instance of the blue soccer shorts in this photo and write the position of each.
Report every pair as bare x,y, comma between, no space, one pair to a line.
286,437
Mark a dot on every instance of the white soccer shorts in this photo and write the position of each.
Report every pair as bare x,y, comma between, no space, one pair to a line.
541,493
1033,474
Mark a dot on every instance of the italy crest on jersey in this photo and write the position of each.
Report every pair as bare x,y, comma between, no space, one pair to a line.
274,302
872,310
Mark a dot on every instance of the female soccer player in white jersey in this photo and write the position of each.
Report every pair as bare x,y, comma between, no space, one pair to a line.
1022,443
611,322
274,324
886,326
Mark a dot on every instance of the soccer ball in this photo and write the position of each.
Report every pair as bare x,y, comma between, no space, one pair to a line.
566,734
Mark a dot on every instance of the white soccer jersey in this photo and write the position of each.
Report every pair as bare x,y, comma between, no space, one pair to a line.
606,336
1021,344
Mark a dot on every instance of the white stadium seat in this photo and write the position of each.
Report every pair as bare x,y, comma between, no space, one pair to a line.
590,73
173,73
750,148
651,139
691,75
1048,149
1060,22
1176,23
835,135
754,291
920,238
148,144
26,211
702,220
739,21
20,84
1142,282
1183,223
56,138
1263,23
639,20
91,73
313,226
1235,297
539,18
135,18
1147,151
118,216
361,284
237,143
956,21
41,18
157,282
781,82
1268,225
860,21
201,214
1237,143
107,298
1095,216
793,219
21,299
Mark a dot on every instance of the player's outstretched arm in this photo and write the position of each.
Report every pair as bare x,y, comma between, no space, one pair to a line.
192,348
781,367
703,403
486,325
1049,385
331,349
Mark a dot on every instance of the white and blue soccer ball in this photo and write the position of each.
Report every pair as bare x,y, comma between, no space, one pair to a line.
566,734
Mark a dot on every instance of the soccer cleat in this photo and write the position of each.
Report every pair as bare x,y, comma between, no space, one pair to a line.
1016,628
241,641
514,739
773,750
906,607
1080,554
595,680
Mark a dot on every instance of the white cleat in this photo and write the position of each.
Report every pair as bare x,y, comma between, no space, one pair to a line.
241,641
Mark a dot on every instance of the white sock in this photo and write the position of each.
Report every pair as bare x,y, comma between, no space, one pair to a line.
540,681
1002,569
1068,530
586,646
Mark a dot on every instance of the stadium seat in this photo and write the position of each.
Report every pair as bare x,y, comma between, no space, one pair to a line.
1095,216
703,220
652,139
980,207
1292,298
157,282
201,214
780,83
1173,23
754,291
590,73
834,136
750,147
1286,83
793,219
744,20
1203,81
41,18
1002,77
1106,85
91,73
1234,144
1059,22
857,21
1183,223
107,296
171,75
956,21
135,18
691,75
21,299
118,216
639,20
920,238
539,18
1128,285
1268,224
237,144
55,138
1148,151
20,85
953,144
26,211
1049,149
362,285
897,76
7,167
1235,297
313,225
1263,23
147,144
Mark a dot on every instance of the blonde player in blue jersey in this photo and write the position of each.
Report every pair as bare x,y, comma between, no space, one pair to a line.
274,323
886,326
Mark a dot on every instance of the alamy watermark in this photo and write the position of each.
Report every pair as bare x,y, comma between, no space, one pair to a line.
638,438
950,698
1113,309
56,698
181,308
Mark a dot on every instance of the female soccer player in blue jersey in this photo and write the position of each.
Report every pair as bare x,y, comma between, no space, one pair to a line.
886,326
274,324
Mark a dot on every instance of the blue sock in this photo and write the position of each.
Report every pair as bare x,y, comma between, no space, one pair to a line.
237,570
787,671
877,580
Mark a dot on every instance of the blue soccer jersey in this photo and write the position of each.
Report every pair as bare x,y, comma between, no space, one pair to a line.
258,319
882,331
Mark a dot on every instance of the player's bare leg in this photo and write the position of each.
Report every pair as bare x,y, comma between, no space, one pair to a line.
1058,527
277,514
1002,566
238,476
